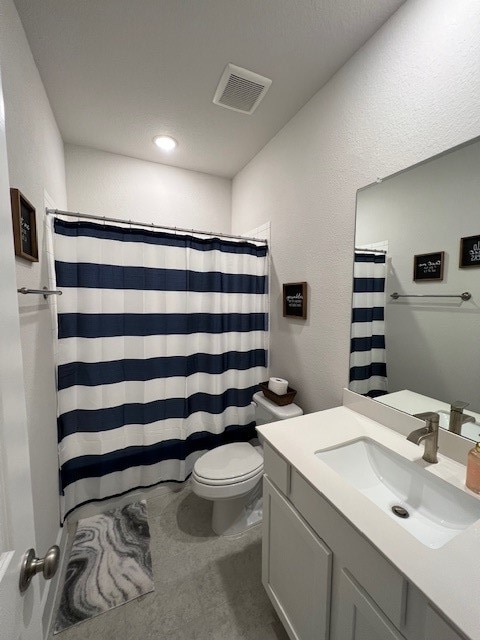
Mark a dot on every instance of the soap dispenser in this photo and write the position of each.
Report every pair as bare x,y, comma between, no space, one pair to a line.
473,469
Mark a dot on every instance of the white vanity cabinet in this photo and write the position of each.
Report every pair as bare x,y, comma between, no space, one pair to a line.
326,581
296,569
359,618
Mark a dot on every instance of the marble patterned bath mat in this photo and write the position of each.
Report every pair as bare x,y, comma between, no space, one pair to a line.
109,564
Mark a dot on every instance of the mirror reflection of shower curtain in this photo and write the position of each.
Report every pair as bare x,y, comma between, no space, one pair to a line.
162,341
368,369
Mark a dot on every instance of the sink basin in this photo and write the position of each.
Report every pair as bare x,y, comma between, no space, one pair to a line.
437,511
469,429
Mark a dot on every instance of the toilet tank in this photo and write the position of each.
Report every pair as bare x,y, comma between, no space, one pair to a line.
266,411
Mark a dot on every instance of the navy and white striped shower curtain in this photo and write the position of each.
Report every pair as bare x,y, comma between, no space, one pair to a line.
368,369
162,341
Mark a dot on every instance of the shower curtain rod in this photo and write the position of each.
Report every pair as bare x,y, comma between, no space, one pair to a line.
151,225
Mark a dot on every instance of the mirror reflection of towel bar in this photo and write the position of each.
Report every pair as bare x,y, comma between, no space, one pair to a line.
466,295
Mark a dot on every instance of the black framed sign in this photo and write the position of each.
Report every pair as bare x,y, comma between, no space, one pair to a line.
295,300
24,227
428,266
470,251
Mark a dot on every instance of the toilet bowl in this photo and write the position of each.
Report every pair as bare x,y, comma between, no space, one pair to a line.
231,475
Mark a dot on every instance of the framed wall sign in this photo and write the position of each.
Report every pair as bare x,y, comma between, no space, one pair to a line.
428,266
24,227
295,300
470,251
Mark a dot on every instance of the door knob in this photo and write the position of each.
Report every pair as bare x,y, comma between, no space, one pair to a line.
32,565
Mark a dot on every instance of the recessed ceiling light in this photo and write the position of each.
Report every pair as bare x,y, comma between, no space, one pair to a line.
165,143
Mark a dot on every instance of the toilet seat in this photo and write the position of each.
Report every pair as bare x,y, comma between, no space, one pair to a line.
228,464
227,481
229,471
225,491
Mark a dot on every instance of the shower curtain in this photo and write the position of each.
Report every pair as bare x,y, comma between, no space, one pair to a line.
161,343
368,369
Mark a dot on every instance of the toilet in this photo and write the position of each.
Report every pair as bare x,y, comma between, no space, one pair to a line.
231,475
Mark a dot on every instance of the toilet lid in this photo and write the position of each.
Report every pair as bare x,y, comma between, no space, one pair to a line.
228,462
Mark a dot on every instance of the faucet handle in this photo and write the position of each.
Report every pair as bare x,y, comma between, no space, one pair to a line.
431,418
459,405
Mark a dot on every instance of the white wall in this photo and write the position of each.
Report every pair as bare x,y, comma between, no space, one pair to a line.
36,164
112,185
412,91
432,344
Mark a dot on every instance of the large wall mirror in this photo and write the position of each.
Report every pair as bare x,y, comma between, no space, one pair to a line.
420,350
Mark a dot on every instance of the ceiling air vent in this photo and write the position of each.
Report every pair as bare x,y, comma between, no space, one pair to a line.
240,89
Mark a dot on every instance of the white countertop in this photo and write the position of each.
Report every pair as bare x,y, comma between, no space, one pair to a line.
450,575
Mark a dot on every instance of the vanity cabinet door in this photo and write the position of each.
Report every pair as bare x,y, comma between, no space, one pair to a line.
357,617
437,628
296,569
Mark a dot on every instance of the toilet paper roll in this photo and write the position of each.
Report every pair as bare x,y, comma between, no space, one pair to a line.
278,386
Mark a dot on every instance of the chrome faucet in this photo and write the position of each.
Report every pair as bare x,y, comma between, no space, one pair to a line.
427,434
457,417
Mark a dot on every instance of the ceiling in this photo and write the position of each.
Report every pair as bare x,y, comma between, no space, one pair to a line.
118,72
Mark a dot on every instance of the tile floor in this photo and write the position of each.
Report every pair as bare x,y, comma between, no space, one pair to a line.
206,587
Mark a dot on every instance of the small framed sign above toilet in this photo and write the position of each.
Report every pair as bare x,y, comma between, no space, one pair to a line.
295,300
